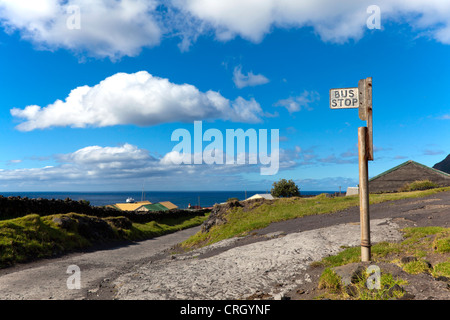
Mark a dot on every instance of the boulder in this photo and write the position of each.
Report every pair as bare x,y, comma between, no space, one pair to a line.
351,273
218,215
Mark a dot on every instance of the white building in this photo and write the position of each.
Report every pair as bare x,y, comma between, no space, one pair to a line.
266,196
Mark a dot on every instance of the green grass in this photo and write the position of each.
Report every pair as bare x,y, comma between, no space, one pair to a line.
33,237
388,282
442,242
332,284
412,235
418,242
241,222
353,254
151,229
442,269
416,267
348,255
330,280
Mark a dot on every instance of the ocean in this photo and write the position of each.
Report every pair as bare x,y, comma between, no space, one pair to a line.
181,198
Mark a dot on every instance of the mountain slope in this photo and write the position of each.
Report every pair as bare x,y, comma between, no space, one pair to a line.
444,165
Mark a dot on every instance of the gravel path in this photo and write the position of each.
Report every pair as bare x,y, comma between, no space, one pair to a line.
245,270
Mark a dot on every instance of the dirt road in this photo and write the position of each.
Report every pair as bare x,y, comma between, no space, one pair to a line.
271,262
265,266
47,279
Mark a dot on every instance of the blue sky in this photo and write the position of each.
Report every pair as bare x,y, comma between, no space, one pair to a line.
93,108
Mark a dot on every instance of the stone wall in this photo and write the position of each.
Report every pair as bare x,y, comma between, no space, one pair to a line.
14,207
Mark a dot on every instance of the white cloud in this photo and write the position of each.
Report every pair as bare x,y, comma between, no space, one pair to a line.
107,28
335,21
87,165
139,99
249,80
124,166
96,155
295,104
120,28
127,166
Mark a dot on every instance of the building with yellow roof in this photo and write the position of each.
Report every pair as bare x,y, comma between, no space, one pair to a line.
161,206
130,206
169,205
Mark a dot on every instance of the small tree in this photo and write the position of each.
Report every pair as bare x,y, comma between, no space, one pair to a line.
285,188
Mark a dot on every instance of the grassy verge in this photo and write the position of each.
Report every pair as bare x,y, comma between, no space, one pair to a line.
331,283
424,250
240,222
33,237
141,231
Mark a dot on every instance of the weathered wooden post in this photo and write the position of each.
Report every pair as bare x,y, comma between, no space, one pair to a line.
364,217
365,153
361,98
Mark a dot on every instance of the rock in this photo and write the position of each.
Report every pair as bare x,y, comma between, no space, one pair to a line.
351,273
274,235
218,215
219,212
394,288
407,296
442,278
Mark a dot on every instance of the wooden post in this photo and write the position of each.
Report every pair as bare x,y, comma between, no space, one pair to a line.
369,140
365,149
363,137
365,111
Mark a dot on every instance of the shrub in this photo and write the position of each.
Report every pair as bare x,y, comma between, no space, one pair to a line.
419,185
285,188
